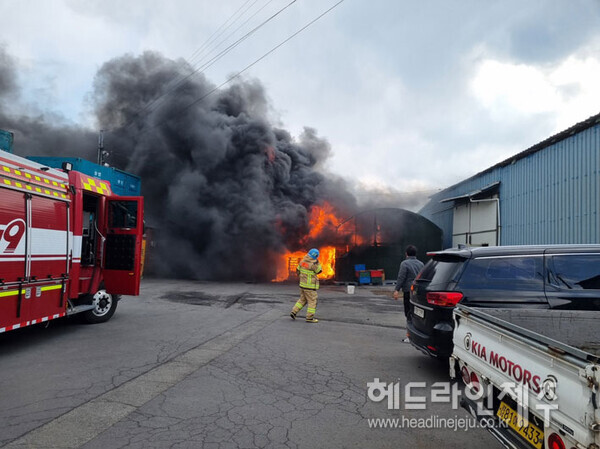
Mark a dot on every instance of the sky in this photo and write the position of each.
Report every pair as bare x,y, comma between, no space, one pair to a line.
412,96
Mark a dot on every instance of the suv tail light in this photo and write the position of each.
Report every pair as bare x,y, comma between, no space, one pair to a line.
444,299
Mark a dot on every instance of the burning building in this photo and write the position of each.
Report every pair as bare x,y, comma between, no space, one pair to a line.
376,238
323,233
382,236
231,194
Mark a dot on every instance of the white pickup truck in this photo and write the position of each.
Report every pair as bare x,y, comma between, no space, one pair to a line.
532,375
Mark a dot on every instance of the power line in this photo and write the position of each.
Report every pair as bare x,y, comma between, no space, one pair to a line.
185,108
218,31
209,63
238,28
176,80
215,34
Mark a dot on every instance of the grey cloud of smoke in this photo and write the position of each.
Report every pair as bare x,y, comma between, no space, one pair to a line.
225,190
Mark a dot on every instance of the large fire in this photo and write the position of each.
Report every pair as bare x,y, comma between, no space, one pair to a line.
323,224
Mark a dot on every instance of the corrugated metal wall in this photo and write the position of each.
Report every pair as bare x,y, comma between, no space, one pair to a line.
550,196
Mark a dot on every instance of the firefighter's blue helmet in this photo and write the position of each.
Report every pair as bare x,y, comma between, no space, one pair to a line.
314,253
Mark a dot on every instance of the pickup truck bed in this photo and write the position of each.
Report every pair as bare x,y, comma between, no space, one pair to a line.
571,331
554,354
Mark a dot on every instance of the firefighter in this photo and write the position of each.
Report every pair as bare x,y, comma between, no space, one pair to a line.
307,271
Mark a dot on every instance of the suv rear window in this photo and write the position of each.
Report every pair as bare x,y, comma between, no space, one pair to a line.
504,273
438,271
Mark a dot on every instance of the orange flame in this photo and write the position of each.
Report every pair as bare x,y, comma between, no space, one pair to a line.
287,263
322,219
270,152
327,259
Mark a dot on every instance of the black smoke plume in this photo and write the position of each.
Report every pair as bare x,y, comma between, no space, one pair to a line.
225,189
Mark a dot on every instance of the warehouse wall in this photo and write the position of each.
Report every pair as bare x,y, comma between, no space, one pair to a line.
396,229
549,196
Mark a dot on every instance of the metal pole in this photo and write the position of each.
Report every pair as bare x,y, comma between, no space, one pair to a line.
101,147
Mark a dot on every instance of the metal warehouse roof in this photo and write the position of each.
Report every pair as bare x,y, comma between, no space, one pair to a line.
545,197
577,128
484,190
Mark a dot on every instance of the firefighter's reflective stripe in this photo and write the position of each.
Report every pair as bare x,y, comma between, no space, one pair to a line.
311,309
299,305
311,279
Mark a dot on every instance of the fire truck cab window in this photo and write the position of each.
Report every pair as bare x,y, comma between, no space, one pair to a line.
122,214
89,234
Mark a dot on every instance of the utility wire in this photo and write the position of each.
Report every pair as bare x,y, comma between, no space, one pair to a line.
208,64
212,37
185,108
177,79
218,31
237,29
227,50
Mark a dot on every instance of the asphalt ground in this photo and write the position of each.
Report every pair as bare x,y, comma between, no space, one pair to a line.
212,365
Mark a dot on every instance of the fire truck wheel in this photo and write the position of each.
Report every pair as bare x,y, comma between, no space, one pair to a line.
105,305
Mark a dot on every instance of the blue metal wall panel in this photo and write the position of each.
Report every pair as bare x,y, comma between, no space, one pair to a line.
550,196
122,183
6,141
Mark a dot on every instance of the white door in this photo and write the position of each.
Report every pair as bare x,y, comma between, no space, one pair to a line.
476,224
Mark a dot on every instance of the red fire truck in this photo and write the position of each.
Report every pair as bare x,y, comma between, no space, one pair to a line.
68,245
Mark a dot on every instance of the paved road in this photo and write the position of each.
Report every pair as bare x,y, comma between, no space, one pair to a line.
190,365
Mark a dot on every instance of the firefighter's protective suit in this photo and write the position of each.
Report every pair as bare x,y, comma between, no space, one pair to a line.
307,270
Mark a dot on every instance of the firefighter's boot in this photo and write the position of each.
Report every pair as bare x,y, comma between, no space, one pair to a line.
293,315
312,320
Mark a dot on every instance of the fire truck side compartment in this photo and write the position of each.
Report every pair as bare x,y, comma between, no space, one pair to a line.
34,243
56,238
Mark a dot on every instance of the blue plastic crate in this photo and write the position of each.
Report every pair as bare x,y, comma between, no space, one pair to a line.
364,277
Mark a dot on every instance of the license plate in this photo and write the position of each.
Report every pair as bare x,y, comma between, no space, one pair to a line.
419,312
532,434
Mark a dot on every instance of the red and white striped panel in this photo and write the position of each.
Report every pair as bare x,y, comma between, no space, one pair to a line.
29,323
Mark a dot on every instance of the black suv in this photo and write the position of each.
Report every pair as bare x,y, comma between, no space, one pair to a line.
547,277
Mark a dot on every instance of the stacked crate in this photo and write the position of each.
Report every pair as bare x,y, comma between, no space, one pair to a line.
364,277
369,277
377,276
358,268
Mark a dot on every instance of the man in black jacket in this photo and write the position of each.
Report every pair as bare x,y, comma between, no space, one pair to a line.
409,269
